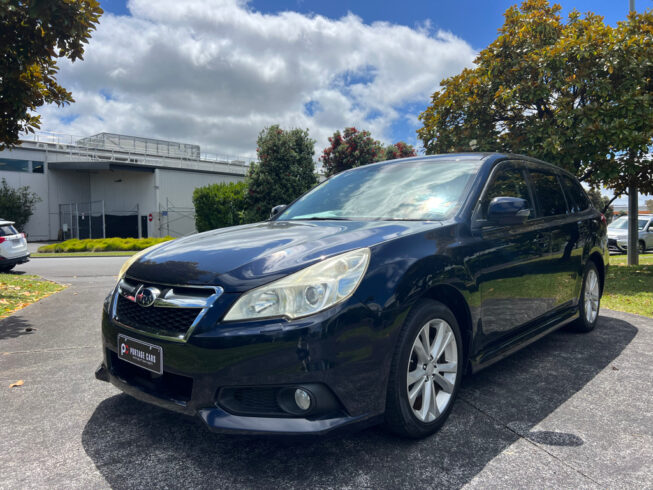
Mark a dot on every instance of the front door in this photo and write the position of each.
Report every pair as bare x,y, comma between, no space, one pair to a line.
509,262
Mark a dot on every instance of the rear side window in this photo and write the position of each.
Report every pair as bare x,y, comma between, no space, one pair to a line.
6,230
507,181
578,200
549,193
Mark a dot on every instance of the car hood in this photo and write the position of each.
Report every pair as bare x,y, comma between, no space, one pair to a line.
617,233
243,257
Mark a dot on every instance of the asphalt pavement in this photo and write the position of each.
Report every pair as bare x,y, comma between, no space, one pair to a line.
570,411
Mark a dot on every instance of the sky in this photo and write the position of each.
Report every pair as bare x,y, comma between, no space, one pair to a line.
216,72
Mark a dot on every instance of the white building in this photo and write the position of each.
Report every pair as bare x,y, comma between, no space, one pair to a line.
112,185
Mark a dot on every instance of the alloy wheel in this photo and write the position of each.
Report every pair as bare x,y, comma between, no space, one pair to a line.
591,296
432,370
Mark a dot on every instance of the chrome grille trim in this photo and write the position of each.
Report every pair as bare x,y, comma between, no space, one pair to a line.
127,288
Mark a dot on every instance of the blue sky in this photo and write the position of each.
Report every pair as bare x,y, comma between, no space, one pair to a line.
216,72
475,21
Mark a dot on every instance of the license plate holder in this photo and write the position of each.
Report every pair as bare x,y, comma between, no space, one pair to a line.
141,354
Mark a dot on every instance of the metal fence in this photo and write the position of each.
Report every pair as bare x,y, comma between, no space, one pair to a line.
82,220
90,220
176,221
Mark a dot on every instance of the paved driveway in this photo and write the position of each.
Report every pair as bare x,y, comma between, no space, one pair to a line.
569,411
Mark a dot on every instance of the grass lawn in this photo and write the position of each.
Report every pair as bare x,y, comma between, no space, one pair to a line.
82,254
629,288
18,291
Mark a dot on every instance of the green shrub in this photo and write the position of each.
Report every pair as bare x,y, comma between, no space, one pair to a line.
285,170
17,205
219,205
102,245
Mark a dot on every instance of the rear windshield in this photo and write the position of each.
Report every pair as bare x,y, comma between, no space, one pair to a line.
6,230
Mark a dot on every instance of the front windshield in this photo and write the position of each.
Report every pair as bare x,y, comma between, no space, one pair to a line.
418,190
622,224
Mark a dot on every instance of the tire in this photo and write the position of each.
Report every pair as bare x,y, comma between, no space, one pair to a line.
642,248
591,285
7,268
439,375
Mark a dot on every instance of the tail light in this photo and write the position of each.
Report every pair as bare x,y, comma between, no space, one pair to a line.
2,239
603,220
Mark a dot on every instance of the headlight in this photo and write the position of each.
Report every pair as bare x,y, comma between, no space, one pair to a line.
306,292
134,258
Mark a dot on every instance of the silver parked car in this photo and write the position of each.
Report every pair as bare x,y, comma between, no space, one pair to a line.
13,246
618,234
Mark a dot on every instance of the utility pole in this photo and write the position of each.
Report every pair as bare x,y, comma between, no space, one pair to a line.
633,210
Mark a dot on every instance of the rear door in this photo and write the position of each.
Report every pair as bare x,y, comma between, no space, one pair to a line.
564,261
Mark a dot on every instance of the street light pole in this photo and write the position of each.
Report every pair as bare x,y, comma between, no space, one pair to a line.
633,210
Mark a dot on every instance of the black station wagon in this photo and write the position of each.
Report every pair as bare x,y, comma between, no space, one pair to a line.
364,301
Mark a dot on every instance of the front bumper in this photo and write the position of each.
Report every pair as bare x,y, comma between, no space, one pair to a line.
616,245
317,350
221,421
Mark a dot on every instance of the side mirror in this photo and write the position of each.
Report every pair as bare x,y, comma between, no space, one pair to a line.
277,210
505,211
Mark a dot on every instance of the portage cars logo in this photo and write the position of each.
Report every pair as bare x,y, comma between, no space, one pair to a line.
124,348
146,296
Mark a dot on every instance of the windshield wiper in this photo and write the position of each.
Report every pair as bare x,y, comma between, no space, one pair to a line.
322,218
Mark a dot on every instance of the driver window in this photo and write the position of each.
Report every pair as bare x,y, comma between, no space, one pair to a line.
507,182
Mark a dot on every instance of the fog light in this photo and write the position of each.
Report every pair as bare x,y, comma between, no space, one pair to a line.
302,399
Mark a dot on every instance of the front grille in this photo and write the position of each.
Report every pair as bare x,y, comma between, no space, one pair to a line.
613,246
175,321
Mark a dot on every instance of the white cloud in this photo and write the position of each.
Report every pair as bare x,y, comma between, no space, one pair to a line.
216,72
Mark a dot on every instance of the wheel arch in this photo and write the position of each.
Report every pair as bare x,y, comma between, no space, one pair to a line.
455,301
597,259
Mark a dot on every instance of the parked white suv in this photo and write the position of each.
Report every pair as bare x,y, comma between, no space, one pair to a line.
618,234
13,246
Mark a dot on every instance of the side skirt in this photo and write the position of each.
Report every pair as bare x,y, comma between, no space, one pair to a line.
524,338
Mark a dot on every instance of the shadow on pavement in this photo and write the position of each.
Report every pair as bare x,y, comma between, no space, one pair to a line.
135,444
15,326
15,272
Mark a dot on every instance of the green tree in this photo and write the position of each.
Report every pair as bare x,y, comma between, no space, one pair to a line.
578,94
285,170
600,202
17,205
219,205
34,34
350,149
353,148
399,150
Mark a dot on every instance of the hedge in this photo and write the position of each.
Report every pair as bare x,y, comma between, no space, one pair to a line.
102,245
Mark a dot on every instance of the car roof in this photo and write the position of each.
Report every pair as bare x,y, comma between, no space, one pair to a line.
487,157
4,222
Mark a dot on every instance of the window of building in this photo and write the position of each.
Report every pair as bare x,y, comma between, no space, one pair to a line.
11,165
549,193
